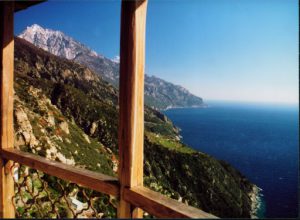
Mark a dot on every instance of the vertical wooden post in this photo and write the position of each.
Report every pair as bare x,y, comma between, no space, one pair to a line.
6,86
131,100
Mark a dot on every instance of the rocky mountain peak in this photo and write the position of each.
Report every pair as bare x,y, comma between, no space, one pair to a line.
56,42
116,59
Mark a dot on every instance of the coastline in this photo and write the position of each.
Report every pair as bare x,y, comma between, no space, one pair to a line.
257,202
257,209
212,128
179,107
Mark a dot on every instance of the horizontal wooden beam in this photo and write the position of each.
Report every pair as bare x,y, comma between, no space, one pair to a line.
161,206
92,180
21,5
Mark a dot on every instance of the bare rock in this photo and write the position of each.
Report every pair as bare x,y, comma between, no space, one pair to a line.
68,140
86,138
50,120
66,73
88,75
64,160
25,133
64,126
93,128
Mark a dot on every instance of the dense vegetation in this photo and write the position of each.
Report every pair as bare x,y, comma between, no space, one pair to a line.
73,114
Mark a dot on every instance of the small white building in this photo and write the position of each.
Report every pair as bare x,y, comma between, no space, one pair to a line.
76,204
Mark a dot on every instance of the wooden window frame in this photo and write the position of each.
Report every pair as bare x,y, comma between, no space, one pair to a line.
133,196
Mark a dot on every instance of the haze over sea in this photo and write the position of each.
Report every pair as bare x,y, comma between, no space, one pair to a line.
260,140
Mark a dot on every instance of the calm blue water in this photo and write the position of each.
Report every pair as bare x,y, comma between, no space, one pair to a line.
260,140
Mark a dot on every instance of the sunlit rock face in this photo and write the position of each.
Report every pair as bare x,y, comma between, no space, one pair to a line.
55,42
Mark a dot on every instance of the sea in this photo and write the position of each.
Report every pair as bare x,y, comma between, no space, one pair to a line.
260,140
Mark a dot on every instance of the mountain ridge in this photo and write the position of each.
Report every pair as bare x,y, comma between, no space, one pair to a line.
159,94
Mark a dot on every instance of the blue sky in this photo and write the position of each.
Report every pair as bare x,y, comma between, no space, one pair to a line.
222,50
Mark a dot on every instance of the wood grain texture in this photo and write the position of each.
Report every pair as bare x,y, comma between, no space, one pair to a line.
92,180
131,100
161,206
6,87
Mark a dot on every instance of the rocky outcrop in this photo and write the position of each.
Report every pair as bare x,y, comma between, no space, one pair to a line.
24,135
42,129
64,127
93,128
